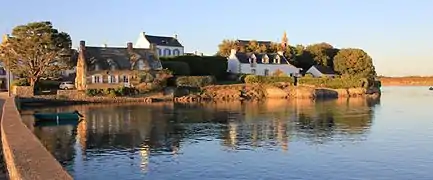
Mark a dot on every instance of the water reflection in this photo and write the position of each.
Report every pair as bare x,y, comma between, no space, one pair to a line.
132,134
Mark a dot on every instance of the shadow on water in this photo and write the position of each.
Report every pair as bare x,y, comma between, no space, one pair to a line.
139,131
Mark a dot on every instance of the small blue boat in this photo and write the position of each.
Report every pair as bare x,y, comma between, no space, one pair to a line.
64,116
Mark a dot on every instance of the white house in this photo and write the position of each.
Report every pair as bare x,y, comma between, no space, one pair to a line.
260,63
319,71
166,46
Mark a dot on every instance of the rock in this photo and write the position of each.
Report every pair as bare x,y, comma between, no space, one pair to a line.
274,92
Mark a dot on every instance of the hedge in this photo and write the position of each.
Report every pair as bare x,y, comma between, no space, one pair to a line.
195,81
121,91
178,68
267,79
202,65
335,83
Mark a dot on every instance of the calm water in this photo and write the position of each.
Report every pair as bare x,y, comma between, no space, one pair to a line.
278,139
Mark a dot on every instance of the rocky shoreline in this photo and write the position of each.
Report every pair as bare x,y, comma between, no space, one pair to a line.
238,92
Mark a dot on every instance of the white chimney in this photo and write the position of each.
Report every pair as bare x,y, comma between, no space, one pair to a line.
175,36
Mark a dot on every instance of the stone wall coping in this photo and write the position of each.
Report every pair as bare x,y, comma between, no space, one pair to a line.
25,156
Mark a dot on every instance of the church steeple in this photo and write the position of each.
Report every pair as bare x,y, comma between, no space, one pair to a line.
284,41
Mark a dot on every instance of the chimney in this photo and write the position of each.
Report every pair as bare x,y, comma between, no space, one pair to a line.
175,36
104,45
82,45
129,46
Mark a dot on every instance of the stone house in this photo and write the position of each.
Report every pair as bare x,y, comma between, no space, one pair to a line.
111,67
165,46
264,64
319,71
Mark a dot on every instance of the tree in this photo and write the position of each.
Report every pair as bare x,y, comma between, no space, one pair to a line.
226,46
35,50
253,46
354,62
320,52
303,58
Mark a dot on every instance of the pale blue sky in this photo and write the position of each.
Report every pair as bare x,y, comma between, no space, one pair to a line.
397,34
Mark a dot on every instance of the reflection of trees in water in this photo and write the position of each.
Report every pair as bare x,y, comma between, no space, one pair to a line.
145,129
59,141
341,119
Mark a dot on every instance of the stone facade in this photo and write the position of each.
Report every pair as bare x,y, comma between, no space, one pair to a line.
112,67
23,91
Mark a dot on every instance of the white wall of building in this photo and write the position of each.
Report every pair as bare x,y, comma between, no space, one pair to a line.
163,51
271,68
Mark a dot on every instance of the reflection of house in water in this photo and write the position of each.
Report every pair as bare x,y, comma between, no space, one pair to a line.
261,133
132,128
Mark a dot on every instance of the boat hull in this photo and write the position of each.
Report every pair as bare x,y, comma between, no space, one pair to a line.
56,116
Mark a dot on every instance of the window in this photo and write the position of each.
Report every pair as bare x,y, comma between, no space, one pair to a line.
176,52
159,52
266,72
167,52
2,71
253,62
125,79
253,71
112,79
96,79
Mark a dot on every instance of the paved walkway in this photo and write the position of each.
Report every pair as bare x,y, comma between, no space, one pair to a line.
3,173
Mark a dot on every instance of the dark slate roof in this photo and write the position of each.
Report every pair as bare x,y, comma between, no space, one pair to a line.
119,58
324,69
163,41
245,42
244,57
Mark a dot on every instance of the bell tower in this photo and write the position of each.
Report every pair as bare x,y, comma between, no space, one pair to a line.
284,41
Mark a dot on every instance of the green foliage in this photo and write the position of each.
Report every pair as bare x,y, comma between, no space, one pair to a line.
354,62
145,77
203,65
335,83
250,79
111,92
178,68
36,50
195,81
21,82
43,85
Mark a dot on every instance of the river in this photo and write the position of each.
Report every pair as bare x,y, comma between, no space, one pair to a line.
390,138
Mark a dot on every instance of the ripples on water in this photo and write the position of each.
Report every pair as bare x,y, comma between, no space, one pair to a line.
277,139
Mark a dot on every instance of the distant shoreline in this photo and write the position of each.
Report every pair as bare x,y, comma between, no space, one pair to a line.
407,81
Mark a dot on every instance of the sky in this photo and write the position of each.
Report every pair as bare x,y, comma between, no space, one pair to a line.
398,35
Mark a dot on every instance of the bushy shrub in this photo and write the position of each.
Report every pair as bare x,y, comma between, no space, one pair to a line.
335,83
21,82
249,79
202,65
111,92
177,67
195,81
